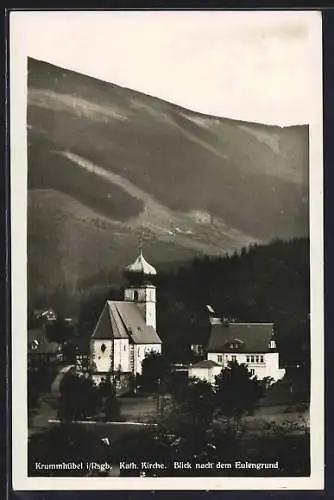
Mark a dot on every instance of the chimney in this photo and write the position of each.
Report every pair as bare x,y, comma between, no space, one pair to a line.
214,320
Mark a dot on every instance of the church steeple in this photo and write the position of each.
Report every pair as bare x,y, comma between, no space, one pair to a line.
141,288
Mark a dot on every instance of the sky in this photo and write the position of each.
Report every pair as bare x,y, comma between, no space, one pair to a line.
254,66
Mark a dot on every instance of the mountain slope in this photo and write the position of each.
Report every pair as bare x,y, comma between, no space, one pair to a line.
191,182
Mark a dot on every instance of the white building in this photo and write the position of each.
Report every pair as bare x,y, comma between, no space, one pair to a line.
126,330
252,344
205,370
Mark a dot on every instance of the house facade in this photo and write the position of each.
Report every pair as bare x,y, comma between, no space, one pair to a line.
126,330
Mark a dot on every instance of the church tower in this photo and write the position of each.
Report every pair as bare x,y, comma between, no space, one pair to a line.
141,288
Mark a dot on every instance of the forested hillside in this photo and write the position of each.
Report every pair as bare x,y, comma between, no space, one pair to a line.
264,283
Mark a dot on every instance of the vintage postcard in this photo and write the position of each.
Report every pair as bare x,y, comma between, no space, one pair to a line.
167,250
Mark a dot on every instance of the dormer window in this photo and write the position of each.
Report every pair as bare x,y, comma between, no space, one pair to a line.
235,344
103,347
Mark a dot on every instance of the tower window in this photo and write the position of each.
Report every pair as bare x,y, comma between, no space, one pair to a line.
103,347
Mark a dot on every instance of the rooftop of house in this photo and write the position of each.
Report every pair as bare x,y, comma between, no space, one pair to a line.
38,343
122,319
205,363
240,337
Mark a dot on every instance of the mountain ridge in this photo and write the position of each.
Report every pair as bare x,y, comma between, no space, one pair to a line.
185,182
33,60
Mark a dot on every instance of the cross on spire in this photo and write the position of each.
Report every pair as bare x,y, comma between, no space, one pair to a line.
140,241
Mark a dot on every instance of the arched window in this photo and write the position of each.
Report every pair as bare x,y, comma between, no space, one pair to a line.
135,296
103,347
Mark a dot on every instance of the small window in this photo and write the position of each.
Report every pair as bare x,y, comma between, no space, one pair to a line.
124,347
252,371
103,347
234,358
252,359
247,359
220,358
261,359
257,358
135,295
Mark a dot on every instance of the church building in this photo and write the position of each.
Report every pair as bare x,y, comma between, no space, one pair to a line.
126,330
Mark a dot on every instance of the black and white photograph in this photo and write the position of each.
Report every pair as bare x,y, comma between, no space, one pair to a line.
167,239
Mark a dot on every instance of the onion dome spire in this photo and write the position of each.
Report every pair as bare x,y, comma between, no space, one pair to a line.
140,269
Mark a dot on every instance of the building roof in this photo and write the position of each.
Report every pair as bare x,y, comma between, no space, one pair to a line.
205,363
109,325
121,319
39,344
240,337
141,266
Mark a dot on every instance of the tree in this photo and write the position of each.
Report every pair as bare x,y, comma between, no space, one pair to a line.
110,403
198,401
79,397
155,369
237,391
111,406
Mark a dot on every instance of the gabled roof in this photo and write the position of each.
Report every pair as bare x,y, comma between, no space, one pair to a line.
124,320
205,363
250,337
109,325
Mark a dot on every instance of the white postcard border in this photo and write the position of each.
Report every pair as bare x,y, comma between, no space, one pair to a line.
18,153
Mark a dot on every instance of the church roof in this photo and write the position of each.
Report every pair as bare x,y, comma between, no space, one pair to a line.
240,337
140,265
120,319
